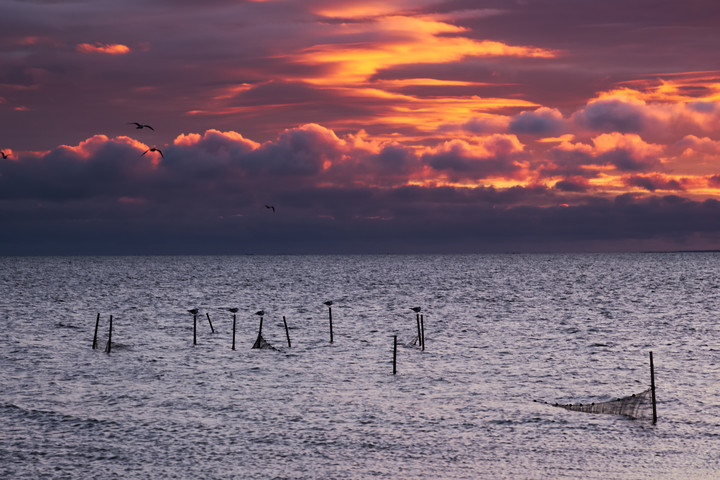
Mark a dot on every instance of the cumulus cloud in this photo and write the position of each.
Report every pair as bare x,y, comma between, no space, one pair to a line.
491,156
655,182
543,121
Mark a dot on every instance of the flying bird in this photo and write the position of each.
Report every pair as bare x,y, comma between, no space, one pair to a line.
261,313
194,311
153,149
4,155
140,126
415,309
233,310
328,303
271,206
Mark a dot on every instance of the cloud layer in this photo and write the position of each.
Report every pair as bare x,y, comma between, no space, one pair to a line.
371,126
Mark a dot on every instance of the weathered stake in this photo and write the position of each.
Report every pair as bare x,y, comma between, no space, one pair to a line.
419,337
652,387
233,345
97,322
211,327
287,332
194,328
331,330
422,333
109,342
394,354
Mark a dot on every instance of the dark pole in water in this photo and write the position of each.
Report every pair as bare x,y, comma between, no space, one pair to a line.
287,332
97,322
194,328
330,315
109,344
394,354
419,337
652,387
422,331
211,327
233,345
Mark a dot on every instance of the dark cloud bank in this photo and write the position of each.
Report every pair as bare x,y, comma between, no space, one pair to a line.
208,196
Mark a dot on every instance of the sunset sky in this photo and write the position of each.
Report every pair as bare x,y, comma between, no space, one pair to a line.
386,126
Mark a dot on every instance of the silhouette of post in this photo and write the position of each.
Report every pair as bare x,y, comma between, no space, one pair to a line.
108,347
287,332
258,342
394,354
419,337
652,387
330,317
194,328
422,332
211,327
233,345
97,322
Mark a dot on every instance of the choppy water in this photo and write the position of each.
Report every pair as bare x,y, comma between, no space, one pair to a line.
501,331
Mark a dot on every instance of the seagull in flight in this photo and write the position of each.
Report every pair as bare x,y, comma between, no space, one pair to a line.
328,303
4,155
140,126
233,310
153,149
415,309
194,311
271,206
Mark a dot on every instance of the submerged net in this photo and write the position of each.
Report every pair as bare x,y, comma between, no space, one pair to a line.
262,344
638,405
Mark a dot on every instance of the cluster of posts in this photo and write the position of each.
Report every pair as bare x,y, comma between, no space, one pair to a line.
260,343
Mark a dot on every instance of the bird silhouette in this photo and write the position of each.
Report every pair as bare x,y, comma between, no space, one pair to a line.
140,126
328,303
415,309
233,310
271,206
260,312
194,311
4,155
153,149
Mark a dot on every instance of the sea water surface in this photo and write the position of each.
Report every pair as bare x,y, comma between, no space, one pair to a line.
503,334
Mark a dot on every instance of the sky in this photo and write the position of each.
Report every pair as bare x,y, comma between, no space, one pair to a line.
393,126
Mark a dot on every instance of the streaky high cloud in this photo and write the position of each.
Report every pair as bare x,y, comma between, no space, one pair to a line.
110,49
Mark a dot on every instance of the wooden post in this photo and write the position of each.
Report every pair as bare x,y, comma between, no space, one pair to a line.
109,343
233,345
331,331
422,333
194,328
211,327
287,332
394,354
419,337
97,322
652,387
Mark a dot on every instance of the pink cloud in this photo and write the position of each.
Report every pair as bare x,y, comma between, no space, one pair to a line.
106,48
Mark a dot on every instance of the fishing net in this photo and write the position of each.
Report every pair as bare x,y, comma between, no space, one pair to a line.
638,406
262,344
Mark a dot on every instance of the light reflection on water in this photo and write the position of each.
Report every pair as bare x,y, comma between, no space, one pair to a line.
501,331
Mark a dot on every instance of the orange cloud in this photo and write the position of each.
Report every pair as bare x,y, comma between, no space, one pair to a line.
106,48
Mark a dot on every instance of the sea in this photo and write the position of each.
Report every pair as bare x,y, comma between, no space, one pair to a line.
506,337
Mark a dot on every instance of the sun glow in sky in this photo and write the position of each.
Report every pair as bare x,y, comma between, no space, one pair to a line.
465,125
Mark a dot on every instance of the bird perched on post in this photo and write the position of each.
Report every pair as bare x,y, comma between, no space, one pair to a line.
233,310
260,312
140,126
415,309
328,303
194,311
